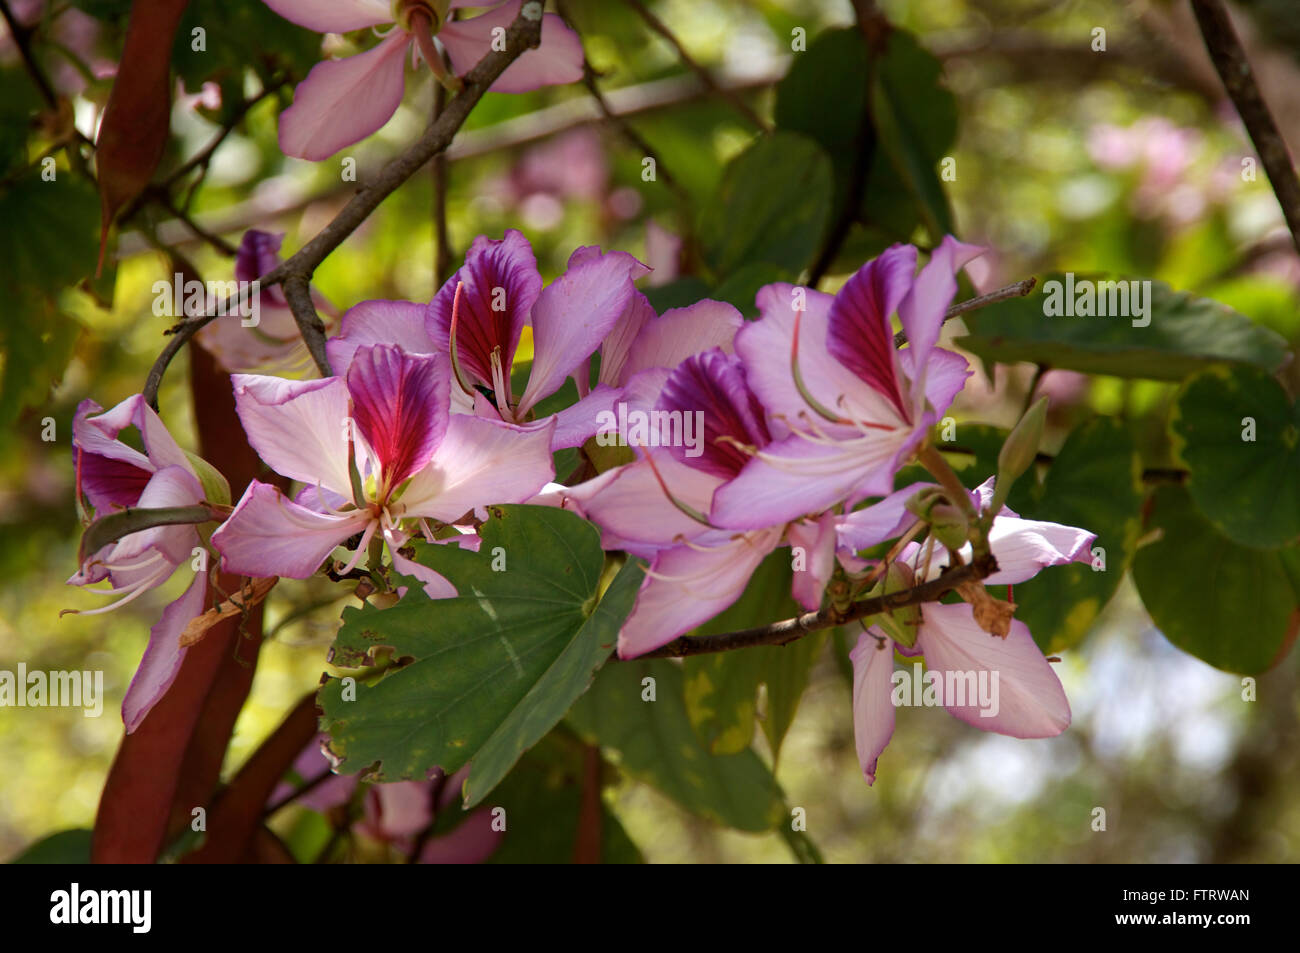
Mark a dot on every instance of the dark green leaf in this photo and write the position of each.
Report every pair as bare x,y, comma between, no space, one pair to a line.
1229,605
1248,488
493,669
772,207
65,847
656,744
1185,334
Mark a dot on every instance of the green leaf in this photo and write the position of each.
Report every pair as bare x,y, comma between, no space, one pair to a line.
65,847
772,206
835,63
1248,488
657,745
740,288
491,670
1094,482
1229,605
916,123
721,689
542,798
1185,334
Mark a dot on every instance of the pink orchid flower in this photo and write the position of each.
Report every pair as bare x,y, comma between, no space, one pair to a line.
343,101
379,453
112,475
274,345
487,303
657,507
862,405
1031,702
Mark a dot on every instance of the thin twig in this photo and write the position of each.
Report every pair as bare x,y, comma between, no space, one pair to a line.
522,34
791,630
21,35
1017,290
705,76
508,134
1230,61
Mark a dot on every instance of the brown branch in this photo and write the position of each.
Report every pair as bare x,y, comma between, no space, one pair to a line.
791,630
513,133
1017,290
705,76
522,34
297,291
1230,61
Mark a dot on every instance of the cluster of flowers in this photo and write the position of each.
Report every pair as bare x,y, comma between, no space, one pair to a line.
807,413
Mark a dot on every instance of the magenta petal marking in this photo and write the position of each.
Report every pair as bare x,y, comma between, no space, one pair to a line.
713,384
860,335
400,403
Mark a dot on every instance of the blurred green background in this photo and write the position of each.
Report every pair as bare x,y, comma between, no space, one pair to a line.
1125,160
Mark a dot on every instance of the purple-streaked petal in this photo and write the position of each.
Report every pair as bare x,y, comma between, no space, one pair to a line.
333,16
629,505
710,388
793,478
765,347
1023,548
873,706
258,253
556,61
880,521
501,272
379,322
96,433
816,541
687,586
575,423
270,535
617,346
1030,702
436,585
682,333
401,403
343,101
922,311
860,334
170,486
163,655
573,315
478,463
944,378
299,428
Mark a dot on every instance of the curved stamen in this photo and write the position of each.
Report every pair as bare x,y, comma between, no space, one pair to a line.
134,592
456,369
684,507
361,548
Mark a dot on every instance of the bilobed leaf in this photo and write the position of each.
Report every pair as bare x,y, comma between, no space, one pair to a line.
491,670
656,744
1239,435
1231,606
1094,483
1185,334
772,206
